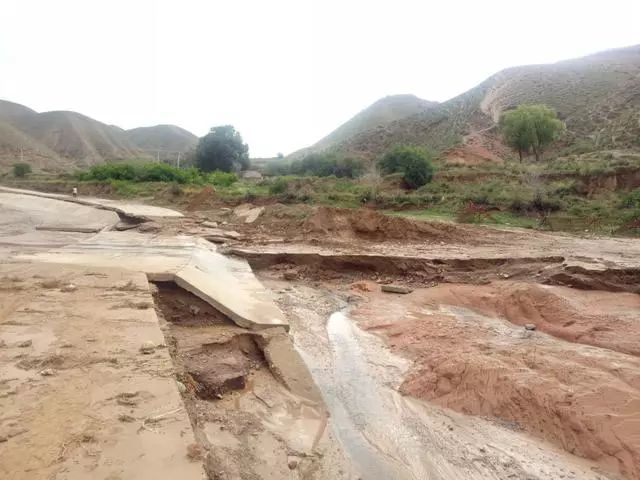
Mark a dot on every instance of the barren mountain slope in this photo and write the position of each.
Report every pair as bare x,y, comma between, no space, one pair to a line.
378,115
62,140
164,137
598,96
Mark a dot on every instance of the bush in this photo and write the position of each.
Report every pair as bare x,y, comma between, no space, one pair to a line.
325,165
222,179
21,169
155,172
417,172
414,163
279,186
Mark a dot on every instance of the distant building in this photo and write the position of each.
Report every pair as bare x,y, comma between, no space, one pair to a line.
251,175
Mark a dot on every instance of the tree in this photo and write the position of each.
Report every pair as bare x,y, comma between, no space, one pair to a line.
414,163
21,169
222,149
530,128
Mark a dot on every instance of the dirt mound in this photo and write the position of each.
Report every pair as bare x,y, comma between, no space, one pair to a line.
343,223
593,318
202,199
581,398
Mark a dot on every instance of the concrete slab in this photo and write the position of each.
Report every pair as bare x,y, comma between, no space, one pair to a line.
226,283
123,208
231,287
80,400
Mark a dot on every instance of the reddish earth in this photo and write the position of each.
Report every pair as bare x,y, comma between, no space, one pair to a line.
367,224
584,398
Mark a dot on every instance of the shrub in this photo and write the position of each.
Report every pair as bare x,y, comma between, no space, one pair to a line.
417,172
152,172
631,199
222,179
326,165
414,163
21,169
279,186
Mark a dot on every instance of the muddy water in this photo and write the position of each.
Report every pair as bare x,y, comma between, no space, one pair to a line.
370,418
389,436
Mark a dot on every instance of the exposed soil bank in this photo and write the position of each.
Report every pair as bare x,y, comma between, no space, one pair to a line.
254,408
582,398
427,271
388,435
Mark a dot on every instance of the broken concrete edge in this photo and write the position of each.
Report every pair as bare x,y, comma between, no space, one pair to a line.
124,215
237,318
63,228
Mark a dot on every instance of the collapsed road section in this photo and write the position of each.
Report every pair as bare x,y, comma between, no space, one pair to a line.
148,355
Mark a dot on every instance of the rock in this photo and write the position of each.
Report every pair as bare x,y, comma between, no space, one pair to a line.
396,289
289,276
210,224
215,239
181,386
292,462
147,347
529,326
121,226
149,227
194,310
48,372
70,287
25,344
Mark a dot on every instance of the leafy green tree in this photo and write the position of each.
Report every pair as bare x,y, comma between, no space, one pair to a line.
413,162
530,128
21,169
222,149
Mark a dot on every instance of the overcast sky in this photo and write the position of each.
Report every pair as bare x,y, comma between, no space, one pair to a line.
283,72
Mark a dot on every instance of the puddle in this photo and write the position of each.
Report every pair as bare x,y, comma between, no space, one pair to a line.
368,416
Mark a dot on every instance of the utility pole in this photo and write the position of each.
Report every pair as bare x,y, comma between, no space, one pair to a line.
179,159
158,156
21,155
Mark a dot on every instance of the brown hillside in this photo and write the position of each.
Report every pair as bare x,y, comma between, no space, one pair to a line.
169,138
598,97
62,140
377,116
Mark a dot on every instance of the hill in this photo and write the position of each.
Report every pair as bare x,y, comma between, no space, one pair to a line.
377,116
169,138
598,96
62,140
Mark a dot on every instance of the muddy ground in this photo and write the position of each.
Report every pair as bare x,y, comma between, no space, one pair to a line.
532,334
512,355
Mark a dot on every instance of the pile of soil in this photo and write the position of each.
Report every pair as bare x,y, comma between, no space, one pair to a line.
345,224
202,200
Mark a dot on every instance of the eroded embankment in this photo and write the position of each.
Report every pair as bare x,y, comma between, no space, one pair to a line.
419,271
254,408
584,399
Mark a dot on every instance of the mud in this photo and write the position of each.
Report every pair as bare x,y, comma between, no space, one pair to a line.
368,224
582,398
421,271
390,435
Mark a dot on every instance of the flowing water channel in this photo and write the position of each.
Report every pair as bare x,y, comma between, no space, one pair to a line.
370,418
